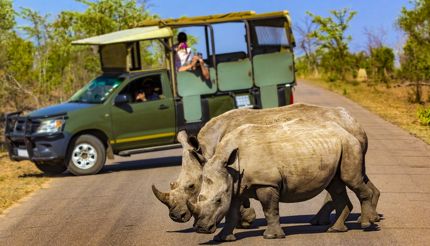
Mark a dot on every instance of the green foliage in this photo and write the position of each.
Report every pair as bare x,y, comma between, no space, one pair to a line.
416,54
42,65
105,16
7,15
424,116
382,61
333,43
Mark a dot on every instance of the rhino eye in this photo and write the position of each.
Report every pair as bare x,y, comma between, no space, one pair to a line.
208,181
191,186
218,201
202,198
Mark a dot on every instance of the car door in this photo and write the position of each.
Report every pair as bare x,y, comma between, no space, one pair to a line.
144,123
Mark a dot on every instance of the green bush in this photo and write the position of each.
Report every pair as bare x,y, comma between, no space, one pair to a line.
424,116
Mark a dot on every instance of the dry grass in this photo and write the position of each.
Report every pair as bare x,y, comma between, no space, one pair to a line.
17,179
391,103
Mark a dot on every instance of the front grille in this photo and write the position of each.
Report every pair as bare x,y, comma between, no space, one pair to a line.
17,125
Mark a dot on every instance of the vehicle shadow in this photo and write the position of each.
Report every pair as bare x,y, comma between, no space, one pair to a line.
119,167
142,164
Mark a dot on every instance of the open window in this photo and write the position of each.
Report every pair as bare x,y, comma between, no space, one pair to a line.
148,54
144,89
273,59
232,56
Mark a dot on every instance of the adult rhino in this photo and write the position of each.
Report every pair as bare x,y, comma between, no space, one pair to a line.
187,186
197,151
290,162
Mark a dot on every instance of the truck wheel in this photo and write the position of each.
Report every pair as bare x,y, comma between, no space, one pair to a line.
51,168
87,155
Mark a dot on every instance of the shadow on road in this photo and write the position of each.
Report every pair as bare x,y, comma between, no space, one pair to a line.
351,223
142,164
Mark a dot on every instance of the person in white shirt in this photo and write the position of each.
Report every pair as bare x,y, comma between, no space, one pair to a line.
185,60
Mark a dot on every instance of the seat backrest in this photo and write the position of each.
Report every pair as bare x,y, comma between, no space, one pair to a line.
190,88
235,75
270,70
273,68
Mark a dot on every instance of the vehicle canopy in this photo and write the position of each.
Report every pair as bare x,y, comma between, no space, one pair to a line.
267,64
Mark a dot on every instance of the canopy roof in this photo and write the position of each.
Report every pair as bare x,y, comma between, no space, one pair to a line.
124,36
212,19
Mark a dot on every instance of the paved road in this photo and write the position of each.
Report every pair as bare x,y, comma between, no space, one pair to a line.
117,206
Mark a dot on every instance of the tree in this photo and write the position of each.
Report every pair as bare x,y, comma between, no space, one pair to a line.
415,60
38,32
7,16
333,41
382,61
104,16
308,45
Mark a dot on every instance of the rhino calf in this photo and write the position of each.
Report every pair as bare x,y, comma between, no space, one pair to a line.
290,162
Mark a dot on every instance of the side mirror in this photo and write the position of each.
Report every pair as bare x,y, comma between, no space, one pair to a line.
122,99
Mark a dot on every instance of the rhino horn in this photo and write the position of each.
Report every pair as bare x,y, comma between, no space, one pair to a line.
162,196
193,208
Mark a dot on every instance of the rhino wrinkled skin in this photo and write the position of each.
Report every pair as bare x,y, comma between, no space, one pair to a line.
187,186
287,162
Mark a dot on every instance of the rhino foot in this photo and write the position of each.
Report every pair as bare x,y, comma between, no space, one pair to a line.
274,233
366,222
247,218
224,238
374,218
243,225
341,228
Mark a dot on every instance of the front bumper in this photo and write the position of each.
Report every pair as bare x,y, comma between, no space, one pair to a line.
22,144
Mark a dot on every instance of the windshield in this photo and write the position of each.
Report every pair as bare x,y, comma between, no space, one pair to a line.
97,90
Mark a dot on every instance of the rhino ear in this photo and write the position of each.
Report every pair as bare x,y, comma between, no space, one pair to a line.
232,158
182,137
198,156
194,142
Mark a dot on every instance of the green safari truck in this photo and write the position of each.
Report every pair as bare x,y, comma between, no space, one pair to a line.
107,118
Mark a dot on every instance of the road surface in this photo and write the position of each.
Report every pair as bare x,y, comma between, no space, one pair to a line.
117,206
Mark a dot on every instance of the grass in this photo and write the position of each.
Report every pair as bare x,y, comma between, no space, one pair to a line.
17,179
391,103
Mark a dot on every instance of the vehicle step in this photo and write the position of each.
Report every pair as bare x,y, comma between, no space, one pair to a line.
149,149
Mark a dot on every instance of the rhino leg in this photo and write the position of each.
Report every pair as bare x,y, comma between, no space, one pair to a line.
247,215
364,195
269,198
341,203
231,221
323,215
375,199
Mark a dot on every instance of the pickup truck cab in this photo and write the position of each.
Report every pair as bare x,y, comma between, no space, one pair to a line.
108,116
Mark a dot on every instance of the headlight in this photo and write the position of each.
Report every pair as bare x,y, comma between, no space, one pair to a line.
50,126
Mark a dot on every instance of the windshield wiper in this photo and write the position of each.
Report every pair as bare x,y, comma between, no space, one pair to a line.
75,101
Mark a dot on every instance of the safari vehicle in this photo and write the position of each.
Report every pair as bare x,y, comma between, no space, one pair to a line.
104,118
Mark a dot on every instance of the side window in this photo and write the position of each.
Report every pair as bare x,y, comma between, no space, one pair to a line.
269,36
230,40
144,89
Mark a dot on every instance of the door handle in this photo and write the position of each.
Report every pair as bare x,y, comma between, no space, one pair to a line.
163,106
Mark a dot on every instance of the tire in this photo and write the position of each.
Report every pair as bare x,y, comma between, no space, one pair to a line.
51,168
87,155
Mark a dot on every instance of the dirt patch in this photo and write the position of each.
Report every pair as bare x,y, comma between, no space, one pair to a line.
17,179
391,103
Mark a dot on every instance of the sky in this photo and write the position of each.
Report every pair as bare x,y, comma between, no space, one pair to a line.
375,15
